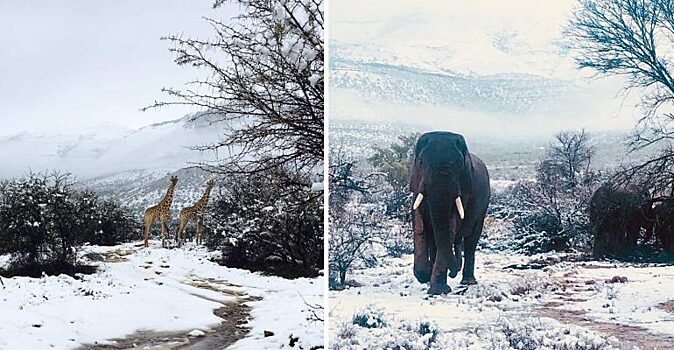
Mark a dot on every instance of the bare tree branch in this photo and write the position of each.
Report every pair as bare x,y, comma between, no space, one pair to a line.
264,79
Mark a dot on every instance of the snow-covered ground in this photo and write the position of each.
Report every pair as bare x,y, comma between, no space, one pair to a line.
168,291
559,304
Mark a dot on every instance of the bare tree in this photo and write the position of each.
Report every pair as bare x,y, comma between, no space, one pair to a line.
573,152
634,39
264,78
349,236
622,37
346,180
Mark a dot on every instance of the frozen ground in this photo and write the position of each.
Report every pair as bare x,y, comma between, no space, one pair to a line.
158,298
553,304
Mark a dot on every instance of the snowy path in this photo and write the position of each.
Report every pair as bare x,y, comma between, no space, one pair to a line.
545,301
157,297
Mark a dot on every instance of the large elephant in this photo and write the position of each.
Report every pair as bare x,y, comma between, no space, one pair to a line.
451,194
663,227
618,212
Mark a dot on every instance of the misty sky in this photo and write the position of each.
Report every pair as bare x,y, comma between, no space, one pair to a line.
70,64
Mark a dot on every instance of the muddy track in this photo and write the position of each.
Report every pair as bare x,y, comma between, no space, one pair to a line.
231,329
234,315
630,337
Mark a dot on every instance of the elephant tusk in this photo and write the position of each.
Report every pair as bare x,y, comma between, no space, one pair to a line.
417,201
459,207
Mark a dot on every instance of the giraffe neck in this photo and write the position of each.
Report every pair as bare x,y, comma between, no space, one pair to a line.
203,201
168,197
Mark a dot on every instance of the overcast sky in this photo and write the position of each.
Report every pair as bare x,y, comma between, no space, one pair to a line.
70,64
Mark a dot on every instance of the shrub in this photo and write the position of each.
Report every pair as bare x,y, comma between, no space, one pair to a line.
43,222
105,221
268,222
398,240
369,317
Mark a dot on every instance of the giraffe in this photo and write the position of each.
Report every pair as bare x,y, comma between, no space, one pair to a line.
196,211
161,212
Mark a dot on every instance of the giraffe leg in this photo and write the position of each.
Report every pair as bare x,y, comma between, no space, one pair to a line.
147,233
149,220
181,228
200,224
164,233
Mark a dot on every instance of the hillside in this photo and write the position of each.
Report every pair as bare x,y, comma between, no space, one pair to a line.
111,149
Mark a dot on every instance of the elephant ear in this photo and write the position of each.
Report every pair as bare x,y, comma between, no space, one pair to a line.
466,181
415,178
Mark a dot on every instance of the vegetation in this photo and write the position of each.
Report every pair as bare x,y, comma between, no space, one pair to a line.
43,222
550,212
264,76
632,39
369,207
257,228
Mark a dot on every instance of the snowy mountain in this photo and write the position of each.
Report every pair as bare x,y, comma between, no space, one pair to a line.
497,68
111,149
507,94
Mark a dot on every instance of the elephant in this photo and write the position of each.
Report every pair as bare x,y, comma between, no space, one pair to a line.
618,212
663,227
451,194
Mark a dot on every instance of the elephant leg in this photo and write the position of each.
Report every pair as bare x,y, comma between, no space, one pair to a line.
441,265
633,231
422,264
432,249
468,277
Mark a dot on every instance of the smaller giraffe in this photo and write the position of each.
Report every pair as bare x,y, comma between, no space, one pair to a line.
161,212
195,212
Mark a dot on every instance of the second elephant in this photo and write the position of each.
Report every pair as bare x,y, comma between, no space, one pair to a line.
618,212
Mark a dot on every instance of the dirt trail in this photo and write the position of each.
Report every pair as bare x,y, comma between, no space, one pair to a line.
629,336
231,329
234,315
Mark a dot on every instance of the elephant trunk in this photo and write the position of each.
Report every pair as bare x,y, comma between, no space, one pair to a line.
445,230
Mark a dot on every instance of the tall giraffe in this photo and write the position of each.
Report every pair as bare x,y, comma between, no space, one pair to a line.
195,212
161,212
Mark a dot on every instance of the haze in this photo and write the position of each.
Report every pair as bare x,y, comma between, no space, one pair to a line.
70,64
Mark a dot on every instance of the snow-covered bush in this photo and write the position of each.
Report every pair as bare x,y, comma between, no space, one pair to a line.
395,162
373,328
370,317
351,233
549,213
369,208
526,333
106,222
397,239
534,334
43,221
268,222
